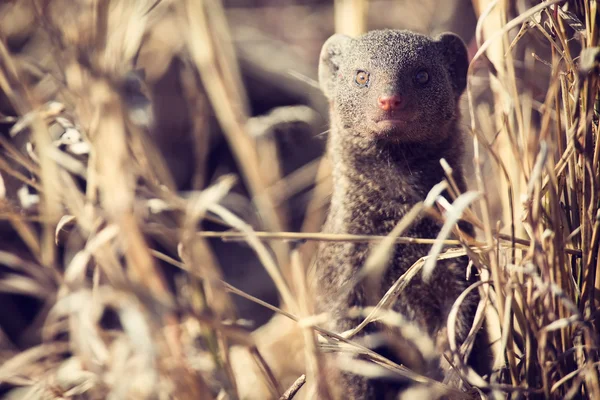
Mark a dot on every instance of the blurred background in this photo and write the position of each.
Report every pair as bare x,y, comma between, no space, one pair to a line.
163,121
277,44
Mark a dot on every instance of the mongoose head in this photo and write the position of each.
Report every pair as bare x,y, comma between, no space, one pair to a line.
394,85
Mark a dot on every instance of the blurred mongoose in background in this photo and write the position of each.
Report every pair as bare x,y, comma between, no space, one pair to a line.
394,114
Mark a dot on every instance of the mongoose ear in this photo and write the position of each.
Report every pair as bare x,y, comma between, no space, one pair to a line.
455,54
330,62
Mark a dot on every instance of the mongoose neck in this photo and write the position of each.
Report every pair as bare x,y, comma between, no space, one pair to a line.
383,180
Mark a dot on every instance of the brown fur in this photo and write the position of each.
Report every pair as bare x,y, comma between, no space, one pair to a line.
380,173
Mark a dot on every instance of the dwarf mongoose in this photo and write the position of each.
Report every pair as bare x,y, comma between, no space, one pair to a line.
393,99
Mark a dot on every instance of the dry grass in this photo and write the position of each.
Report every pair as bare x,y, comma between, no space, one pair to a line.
112,328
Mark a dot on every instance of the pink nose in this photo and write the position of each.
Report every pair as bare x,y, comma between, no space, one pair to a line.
388,103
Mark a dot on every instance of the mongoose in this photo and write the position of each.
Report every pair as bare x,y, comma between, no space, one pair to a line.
393,99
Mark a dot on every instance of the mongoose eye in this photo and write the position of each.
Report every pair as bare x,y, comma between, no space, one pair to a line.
362,78
422,77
